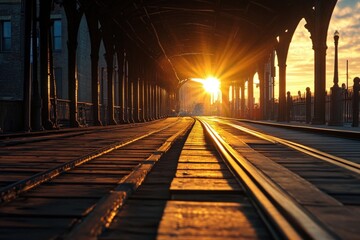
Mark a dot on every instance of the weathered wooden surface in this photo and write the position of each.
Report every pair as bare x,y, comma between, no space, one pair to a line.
209,220
329,192
207,202
74,194
141,215
190,194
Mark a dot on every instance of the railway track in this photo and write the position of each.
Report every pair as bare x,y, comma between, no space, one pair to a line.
278,209
56,192
341,162
12,190
217,180
330,167
213,176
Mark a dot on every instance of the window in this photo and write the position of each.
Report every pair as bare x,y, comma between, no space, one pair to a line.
56,34
5,35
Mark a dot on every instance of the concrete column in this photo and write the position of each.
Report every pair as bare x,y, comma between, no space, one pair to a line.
44,24
233,104
73,17
95,88
237,100
318,25
95,40
289,106
120,75
242,100
95,84
156,102
130,89
146,100
282,91
36,123
308,105
355,102
225,99
141,101
151,102
126,91
26,61
136,100
153,92
109,56
251,96
161,102
231,92
262,87
320,85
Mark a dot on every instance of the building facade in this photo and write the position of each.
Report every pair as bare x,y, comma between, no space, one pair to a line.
12,30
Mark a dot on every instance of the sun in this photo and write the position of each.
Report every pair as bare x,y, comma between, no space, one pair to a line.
211,85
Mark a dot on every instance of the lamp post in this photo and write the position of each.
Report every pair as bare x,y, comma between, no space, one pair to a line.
336,74
336,109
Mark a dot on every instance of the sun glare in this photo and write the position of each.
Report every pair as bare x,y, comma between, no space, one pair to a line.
211,85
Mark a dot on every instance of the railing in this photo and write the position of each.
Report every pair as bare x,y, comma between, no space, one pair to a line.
85,113
298,110
63,112
299,107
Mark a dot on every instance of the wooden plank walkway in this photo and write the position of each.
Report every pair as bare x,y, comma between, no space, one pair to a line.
329,192
191,196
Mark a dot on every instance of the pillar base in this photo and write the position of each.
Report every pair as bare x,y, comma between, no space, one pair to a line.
97,123
339,124
112,122
336,110
37,128
49,125
317,122
75,124
26,129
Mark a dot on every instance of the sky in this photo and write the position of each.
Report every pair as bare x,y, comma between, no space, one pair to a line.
300,61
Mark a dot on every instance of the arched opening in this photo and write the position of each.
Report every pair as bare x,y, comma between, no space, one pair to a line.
300,61
200,97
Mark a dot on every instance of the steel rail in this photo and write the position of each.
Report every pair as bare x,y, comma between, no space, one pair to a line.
343,133
281,211
11,191
341,162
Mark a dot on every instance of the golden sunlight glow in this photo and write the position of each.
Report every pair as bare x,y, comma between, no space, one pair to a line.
212,86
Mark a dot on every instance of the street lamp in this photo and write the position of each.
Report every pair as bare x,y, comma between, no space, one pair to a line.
336,74
336,107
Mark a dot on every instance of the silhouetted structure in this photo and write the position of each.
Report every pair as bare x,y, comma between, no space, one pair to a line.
90,62
336,106
355,102
308,105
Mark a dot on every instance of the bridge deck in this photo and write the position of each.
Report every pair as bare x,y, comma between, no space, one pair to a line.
174,184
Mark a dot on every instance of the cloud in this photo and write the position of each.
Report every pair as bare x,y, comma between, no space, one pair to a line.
345,19
300,61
